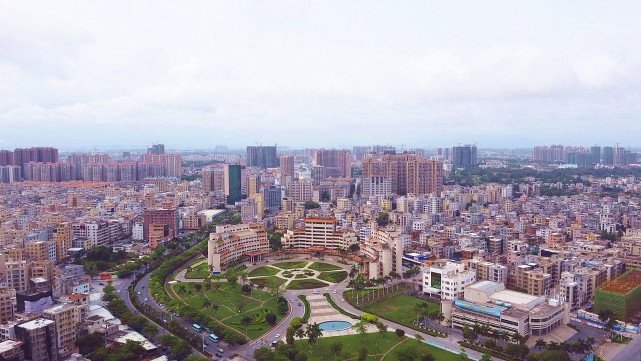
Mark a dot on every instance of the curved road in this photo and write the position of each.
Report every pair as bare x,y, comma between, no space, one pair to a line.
278,332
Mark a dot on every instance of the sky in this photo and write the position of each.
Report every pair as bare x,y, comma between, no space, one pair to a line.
192,74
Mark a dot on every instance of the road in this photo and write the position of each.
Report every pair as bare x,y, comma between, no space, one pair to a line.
296,309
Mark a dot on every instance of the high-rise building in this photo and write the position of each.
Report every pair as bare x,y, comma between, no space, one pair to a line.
318,174
161,217
173,163
464,156
233,187
300,191
6,157
262,156
608,156
337,162
272,197
10,174
213,179
156,149
39,339
619,155
595,154
38,154
287,165
407,173
253,184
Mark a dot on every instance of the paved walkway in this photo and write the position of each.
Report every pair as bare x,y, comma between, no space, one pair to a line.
305,272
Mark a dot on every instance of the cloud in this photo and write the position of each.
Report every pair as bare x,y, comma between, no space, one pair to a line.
304,73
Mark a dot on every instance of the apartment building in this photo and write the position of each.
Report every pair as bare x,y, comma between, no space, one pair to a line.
231,242
446,280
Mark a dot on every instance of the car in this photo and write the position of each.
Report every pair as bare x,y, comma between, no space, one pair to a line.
220,350
300,304
327,289
146,299
316,292
101,283
277,335
138,293
334,291
218,354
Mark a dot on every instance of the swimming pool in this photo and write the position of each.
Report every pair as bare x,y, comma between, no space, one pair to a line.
334,325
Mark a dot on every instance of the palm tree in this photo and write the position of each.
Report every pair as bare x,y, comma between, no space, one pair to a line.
206,302
381,328
300,332
540,344
313,333
361,329
246,321
182,289
590,342
215,307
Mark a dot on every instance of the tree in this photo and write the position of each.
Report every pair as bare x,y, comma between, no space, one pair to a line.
382,329
408,353
271,319
469,335
240,305
263,354
383,219
89,343
289,336
215,307
486,357
462,356
311,205
540,344
313,333
198,287
246,321
427,357
400,332
300,357
336,347
362,354
361,328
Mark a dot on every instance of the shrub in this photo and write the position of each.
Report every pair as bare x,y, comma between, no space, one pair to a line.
246,288
271,319
369,318
400,333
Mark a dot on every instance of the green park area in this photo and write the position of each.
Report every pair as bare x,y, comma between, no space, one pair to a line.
387,346
198,272
401,309
249,312
297,275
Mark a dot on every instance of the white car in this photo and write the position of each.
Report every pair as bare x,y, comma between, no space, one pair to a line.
138,293
277,335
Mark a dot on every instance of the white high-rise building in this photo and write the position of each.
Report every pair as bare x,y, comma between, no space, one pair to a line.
447,281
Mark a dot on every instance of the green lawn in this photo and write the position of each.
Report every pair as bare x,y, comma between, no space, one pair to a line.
233,305
263,271
399,309
265,281
259,325
376,345
320,266
200,271
305,284
288,265
333,277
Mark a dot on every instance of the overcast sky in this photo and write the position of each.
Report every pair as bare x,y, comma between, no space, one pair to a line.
319,73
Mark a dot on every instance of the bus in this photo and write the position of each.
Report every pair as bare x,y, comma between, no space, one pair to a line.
213,338
196,327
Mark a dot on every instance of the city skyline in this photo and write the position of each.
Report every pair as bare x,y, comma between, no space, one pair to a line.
92,75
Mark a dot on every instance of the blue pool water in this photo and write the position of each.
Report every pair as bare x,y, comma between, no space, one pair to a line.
334,325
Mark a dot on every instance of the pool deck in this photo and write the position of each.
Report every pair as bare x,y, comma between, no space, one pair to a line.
322,311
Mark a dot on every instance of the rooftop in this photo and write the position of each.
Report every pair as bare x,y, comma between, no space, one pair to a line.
624,284
35,324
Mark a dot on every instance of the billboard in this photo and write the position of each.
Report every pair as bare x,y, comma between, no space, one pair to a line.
492,311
